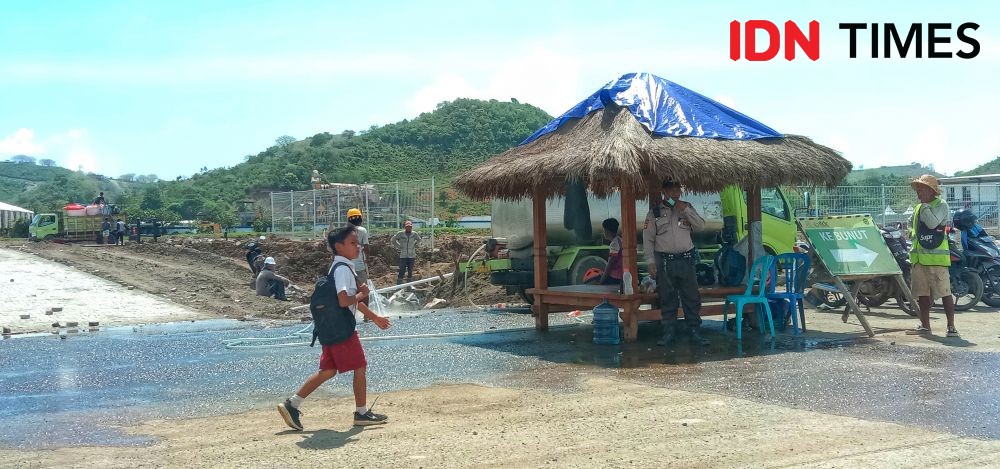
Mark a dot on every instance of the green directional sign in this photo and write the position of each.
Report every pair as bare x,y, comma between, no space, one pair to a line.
849,245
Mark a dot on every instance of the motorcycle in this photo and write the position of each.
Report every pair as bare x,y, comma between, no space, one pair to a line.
966,285
981,254
255,259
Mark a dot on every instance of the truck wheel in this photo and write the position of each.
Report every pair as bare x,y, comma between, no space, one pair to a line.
585,267
48,237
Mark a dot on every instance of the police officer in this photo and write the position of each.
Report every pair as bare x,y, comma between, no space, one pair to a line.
671,260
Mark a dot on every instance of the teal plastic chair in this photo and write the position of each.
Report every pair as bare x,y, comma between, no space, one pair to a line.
758,276
796,269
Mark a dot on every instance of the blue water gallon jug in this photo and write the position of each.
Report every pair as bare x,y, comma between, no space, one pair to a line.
606,328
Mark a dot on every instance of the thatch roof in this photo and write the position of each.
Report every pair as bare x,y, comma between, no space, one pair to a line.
609,149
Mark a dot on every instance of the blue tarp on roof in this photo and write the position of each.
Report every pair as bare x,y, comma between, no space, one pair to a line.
667,110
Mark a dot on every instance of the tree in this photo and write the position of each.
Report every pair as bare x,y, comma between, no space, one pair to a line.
319,139
23,159
148,178
127,177
348,134
284,141
152,199
47,162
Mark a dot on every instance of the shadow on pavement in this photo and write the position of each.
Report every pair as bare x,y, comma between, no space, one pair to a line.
574,345
325,438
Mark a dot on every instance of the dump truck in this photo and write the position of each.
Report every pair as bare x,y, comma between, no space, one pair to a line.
49,226
574,234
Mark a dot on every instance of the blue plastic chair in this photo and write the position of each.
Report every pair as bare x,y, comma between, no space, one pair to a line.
758,276
796,269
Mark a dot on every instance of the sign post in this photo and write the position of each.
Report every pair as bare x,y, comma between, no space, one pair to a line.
851,248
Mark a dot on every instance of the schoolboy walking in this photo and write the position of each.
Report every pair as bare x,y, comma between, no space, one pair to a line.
333,322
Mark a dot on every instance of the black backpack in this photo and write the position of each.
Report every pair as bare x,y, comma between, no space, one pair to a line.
731,266
332,323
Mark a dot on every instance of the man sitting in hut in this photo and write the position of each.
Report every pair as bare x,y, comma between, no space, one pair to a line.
671,259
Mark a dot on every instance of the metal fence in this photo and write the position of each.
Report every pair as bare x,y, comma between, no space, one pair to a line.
889,204
307,214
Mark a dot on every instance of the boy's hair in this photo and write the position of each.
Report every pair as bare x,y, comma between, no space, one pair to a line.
339,235
610,225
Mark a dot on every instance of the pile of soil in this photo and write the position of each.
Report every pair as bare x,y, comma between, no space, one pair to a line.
303,261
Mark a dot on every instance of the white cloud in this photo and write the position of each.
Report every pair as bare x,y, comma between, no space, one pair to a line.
70,149
80,158
21,142
542,77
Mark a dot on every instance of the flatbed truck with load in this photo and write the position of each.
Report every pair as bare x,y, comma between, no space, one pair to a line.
576,249
50,226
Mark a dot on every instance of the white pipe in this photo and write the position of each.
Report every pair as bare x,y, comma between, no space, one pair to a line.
388,289
413,283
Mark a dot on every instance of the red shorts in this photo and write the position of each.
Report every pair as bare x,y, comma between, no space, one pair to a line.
343,357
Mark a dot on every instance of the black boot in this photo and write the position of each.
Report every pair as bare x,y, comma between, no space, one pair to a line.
668,336
696,337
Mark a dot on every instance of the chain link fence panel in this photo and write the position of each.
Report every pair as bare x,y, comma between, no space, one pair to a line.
890,204
386,206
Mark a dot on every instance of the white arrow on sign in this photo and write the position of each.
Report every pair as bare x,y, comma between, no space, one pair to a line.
856,254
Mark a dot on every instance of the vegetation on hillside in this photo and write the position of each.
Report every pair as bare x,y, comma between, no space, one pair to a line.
454,137
992,167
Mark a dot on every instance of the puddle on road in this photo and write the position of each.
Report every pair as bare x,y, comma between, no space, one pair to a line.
81,385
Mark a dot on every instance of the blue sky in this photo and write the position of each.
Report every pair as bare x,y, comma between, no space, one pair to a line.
169,87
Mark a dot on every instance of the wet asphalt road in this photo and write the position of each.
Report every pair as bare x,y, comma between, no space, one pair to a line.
77,391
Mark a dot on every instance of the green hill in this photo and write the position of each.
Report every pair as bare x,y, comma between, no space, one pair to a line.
454,137
44,188
889,175
992,167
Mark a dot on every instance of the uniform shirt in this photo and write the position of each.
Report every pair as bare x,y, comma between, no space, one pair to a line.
671,232
346,282
359,263
264,279
406,244
120,226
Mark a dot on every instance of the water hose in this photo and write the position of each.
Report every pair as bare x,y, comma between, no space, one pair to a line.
251,343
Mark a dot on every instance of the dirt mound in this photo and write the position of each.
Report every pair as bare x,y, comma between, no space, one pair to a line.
304,261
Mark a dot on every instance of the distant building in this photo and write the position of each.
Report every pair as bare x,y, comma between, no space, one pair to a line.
10,214
981,194
477,221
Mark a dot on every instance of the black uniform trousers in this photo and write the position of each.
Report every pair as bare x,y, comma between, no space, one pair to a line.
677,286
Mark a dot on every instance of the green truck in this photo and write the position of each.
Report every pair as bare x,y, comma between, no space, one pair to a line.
49,226
576,249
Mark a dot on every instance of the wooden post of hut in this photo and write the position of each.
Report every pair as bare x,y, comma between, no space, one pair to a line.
541,258
630,257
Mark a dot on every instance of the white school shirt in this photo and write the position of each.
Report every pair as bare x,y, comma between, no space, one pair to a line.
345,279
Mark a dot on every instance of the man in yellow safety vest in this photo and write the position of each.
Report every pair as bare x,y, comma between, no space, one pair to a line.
929,278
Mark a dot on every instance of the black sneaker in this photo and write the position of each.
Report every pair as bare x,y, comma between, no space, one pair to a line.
290,414
369,418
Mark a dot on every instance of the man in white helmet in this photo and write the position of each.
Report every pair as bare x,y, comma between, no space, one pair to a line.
270,283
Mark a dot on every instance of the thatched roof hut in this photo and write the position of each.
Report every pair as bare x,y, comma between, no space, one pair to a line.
628,137
609,148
